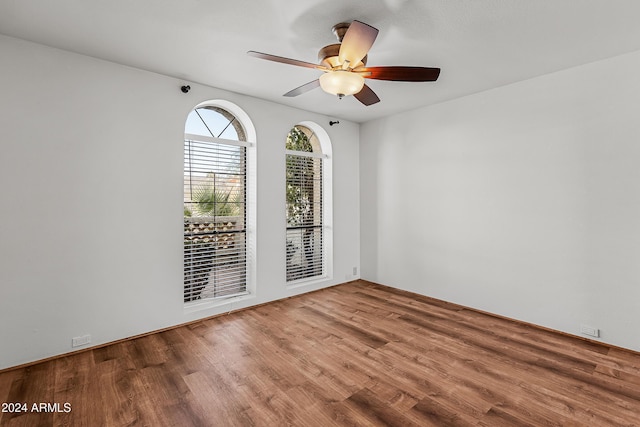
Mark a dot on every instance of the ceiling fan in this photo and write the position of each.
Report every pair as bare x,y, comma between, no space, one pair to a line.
344,65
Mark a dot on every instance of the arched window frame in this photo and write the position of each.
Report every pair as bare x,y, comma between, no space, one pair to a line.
250,202
324,152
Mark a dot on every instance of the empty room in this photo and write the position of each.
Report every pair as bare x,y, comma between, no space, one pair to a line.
349,213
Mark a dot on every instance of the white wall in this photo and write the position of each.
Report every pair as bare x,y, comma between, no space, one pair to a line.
91,201
523,200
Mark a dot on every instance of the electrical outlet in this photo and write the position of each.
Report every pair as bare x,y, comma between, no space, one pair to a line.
355,271
78,341
590,330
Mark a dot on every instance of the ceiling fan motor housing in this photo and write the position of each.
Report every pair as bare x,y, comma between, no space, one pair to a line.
328,56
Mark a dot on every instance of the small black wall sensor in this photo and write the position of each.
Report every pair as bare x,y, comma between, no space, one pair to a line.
185,89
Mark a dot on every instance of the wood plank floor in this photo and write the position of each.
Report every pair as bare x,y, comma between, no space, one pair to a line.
357,354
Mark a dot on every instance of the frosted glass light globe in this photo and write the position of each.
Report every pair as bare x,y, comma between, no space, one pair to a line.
341,82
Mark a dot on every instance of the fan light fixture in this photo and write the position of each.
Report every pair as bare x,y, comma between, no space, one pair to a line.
341,82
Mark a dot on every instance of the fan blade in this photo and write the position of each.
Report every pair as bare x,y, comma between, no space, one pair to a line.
401,74
284,60
304,88
356,42
367,96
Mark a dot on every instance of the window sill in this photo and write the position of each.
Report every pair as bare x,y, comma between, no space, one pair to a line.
195,306
307,281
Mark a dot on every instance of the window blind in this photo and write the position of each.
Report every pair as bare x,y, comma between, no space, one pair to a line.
304,236
215,235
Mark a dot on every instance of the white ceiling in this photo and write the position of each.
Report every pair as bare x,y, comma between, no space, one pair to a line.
478,44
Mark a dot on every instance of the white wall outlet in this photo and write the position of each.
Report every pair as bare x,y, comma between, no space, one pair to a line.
590,330
355,271
78,341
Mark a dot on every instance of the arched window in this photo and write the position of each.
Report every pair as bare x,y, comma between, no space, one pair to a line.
215,204
308,241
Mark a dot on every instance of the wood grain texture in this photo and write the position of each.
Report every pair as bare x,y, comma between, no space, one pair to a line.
356,354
